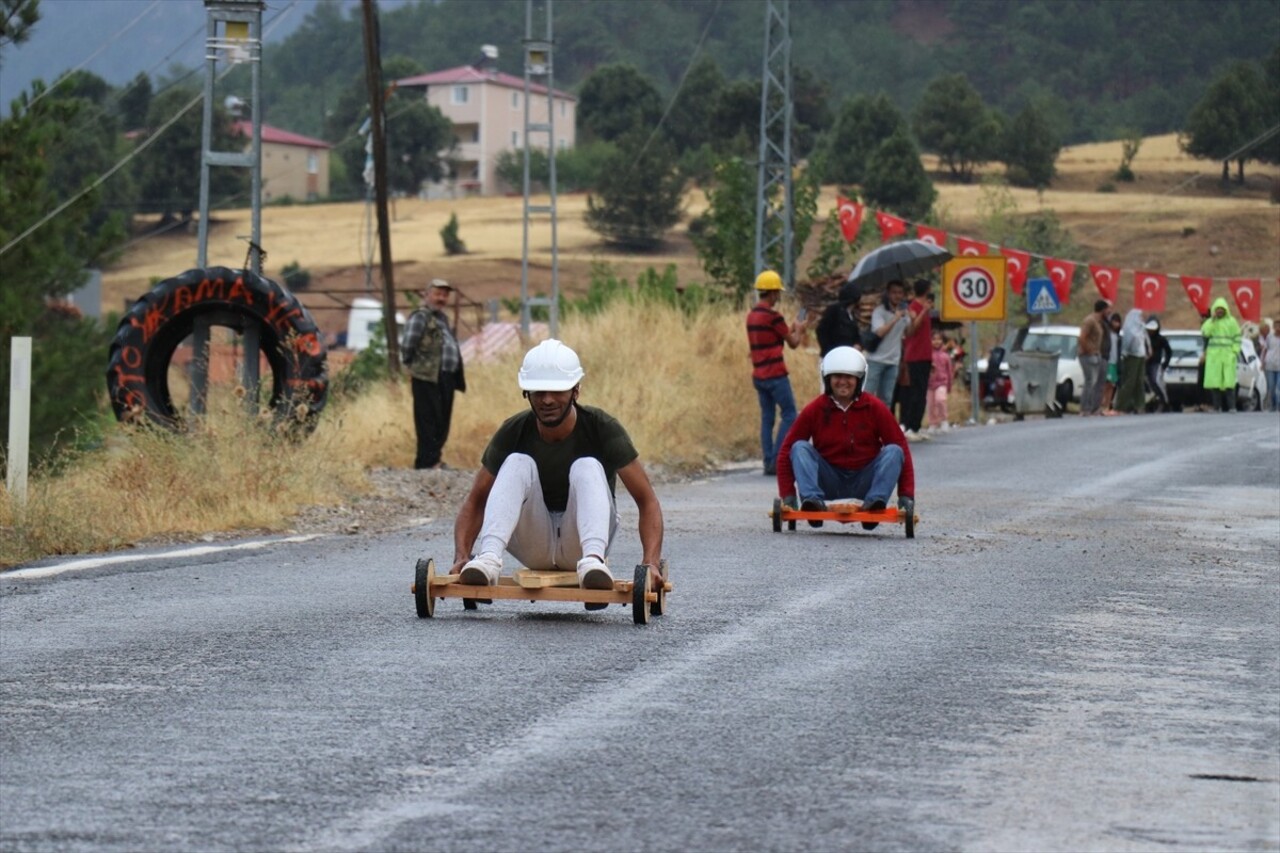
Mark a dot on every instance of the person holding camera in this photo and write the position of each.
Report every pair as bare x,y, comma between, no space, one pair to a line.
889,322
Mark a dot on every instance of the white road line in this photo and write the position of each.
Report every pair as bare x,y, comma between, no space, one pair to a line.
96,562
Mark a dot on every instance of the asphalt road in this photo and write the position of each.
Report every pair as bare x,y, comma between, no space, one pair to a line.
1080,650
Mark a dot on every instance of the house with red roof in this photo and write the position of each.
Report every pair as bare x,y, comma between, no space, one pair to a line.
487,107
293,165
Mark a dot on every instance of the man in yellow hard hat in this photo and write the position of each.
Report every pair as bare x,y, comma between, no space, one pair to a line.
767,331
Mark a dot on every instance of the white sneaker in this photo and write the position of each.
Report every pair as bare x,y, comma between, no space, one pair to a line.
911,435
481,570
946,426
923,436
593,573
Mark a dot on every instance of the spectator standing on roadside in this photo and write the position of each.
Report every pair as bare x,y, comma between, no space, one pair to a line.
1134,350
942,371
838,326
1111,352
767,332
888,323
1089,353
1222,347
917,353
431,353
1158,362
1271,364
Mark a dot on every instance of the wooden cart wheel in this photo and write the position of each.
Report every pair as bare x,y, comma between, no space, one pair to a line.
422,597
659,607
639,594
777,515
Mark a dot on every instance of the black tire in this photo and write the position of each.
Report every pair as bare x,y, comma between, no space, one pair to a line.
639,594
659,607
777,515
423,600
152,329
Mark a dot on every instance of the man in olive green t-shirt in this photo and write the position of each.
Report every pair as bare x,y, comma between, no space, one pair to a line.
545,489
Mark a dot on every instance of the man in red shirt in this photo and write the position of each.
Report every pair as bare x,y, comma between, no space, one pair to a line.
767,331
845,444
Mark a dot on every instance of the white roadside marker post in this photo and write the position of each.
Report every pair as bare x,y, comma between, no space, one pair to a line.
19,418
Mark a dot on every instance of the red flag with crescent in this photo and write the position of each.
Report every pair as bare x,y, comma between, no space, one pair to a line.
1060,271
934,236
1198,289
1107,280
850,217
890,225
1017,268
971,248
1148,290
1247,293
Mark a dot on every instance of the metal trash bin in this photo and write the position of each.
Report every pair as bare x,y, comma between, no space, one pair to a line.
1035,382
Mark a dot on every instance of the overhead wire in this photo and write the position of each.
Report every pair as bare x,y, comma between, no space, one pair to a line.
142,146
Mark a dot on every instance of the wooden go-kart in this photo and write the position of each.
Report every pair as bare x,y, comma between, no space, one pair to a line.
645,597
845,513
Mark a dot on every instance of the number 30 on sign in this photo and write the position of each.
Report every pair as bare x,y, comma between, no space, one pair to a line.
974,289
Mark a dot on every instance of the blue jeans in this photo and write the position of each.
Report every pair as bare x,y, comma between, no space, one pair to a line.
774,394
1272,403
818,478
881,378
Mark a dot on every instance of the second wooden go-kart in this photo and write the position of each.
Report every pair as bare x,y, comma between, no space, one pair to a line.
845,513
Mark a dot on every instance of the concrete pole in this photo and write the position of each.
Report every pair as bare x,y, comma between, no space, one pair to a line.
19,418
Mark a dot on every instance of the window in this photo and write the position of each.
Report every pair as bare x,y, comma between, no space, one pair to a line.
313,163
515,139
475,133
515,100
460,94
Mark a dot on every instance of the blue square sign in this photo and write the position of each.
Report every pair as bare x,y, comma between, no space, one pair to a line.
1042,298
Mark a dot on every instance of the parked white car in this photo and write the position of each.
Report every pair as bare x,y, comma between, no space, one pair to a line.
1183,374
1061,340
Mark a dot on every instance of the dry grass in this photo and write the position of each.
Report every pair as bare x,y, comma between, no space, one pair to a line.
233,474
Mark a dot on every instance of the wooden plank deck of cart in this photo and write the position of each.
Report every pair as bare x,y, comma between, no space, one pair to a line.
645,596
845,513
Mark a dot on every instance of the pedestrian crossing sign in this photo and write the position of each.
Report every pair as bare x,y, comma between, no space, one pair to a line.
1042,298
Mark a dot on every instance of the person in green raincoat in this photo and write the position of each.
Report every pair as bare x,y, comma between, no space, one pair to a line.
1222,348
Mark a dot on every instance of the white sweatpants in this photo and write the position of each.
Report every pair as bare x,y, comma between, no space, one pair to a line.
516,518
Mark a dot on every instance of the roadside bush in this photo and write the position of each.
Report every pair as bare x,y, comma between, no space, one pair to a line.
449,234
294,277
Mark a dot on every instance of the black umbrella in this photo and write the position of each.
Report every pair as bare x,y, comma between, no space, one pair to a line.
897,262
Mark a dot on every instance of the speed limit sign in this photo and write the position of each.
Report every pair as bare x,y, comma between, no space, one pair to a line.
974,288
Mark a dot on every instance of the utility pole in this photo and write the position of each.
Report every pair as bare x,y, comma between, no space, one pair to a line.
373,74
773,217
538,73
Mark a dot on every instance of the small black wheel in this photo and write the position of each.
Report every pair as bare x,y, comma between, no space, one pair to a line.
422,597
659,607
639,594
469,604
777,515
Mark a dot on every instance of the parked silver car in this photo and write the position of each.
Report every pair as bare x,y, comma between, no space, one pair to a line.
1181,379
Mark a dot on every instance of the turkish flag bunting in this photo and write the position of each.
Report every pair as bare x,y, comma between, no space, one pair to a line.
1247,293
1060,272
1107,280
936,236
971,248
1198,290
850,217
890,225
1017,268
1148,290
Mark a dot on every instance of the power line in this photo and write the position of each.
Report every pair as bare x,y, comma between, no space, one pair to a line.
92,56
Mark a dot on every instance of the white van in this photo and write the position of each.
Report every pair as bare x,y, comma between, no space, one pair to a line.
366,315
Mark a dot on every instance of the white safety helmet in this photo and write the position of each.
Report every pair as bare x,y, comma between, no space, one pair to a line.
550,366
845,360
